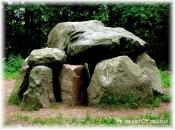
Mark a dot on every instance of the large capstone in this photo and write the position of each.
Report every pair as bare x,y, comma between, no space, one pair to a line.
40,91
73,80
83,40
119,77
151,70
46,56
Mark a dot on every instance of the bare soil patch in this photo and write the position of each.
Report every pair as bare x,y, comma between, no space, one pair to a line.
68,111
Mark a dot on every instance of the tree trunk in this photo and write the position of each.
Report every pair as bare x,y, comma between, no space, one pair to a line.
26,20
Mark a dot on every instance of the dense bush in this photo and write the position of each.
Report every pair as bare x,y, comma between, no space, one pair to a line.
12,65
150,22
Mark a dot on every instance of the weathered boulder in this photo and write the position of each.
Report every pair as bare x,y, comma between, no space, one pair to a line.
151,70
59,36
22,81
81,40
73,83
40,90
121,77
46,56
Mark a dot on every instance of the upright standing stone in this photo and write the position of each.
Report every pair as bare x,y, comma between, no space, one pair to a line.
151,70
40,91
119,77
73,82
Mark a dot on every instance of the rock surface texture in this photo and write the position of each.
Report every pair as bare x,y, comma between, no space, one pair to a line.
73,83
121,77
51,57
40,89
46,56
83,40
85,63
151,70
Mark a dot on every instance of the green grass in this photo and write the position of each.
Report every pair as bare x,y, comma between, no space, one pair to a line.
14,99
30,107
12,65
165,79
162,119
165,98
115,101
110,100
132,101
30,104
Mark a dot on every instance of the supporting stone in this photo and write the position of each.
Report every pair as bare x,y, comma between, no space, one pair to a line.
40,87
73,82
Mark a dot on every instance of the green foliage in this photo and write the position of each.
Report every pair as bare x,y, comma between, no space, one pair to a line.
30,104
22,117
165,79
148,21
30,107
164,67
157,100
165,98
162,119
14,99
29,24
88,120
109,99
102,14
12,66
131,101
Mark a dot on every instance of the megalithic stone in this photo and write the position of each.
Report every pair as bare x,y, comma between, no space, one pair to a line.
73,81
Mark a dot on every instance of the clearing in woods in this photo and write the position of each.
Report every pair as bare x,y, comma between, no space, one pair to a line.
15,116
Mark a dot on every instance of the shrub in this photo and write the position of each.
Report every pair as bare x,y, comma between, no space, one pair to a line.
12,66
165,79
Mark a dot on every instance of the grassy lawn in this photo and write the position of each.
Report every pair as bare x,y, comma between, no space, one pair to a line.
162,119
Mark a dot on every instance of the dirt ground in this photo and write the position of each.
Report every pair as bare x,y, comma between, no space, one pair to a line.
78,111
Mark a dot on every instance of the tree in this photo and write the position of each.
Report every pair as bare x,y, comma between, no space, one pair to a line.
28,25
